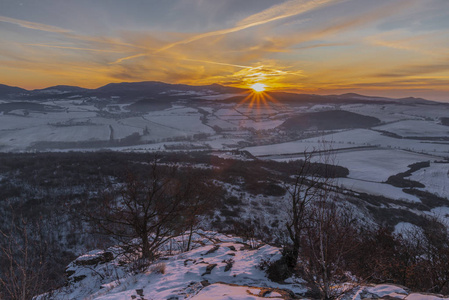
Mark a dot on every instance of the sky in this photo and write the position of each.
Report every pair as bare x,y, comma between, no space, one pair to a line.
395,48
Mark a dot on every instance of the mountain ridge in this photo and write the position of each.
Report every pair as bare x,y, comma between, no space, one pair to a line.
134,90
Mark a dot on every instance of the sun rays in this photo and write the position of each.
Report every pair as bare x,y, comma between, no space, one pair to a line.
259,102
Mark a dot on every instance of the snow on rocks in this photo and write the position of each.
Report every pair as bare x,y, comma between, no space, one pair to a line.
236,292
388,291
220,267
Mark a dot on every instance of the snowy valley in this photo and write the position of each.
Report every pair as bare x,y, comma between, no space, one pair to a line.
63,149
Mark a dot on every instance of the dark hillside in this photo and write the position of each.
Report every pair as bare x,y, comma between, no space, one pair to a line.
6,90
329,120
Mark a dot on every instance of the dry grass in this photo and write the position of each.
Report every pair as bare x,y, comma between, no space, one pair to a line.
158,268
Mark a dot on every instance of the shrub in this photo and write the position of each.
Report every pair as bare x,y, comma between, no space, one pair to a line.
278,270
158,268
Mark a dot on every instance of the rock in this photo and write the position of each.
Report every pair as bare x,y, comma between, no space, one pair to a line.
209,269
205,283
94,259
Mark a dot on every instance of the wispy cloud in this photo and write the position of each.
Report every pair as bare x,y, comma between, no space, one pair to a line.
421,83
350,23
416,70
120,60
281,11
429,44
322,45
73,48
33,25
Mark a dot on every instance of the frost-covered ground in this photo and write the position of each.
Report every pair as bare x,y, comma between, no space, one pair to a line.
218,267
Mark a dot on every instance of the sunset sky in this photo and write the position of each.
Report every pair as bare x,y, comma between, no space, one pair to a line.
393,48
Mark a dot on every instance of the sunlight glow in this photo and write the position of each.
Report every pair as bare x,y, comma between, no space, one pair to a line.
258,87
258,104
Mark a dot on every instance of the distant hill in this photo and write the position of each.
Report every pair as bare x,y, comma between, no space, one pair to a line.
62,89
159,91
327,120
6,91
292,98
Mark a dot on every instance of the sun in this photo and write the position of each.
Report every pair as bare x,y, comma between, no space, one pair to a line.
258,87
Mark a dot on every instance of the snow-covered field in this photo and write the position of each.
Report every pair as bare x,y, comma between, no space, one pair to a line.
395,112
23,138
416,128
441,213
387,162
435,178
352,139
368,168
295,147
389,113
370,156
185,123
377,189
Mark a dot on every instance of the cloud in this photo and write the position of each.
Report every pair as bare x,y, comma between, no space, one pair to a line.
415,70
97,42
120,60
245,52
243,59
428,83
323,45
33,25
281,11
349,23
429,44
72,48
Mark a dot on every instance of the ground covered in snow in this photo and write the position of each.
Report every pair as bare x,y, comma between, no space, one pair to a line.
218,267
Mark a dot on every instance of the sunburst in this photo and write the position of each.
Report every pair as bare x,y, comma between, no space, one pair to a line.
258,87
259,101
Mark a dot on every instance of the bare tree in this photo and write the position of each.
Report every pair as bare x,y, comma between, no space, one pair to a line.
430,246
151,208
331,236
311,183
200,201
23,257
417,258
321,231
